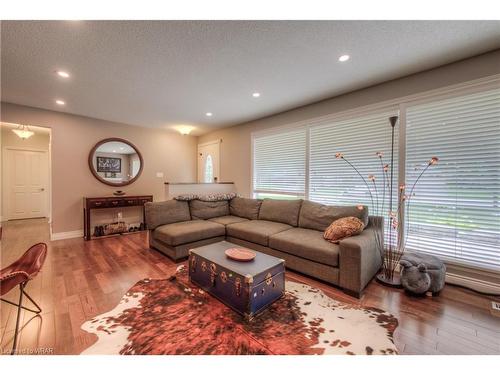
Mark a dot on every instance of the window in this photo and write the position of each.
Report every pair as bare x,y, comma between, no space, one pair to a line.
455,209
279,165
209,169
334,181
455,212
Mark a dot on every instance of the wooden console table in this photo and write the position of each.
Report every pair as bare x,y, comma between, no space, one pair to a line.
91,203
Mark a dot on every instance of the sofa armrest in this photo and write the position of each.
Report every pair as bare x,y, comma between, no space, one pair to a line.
361,256
167,212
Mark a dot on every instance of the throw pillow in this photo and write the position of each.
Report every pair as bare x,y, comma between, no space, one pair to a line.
217,197
343,228
186,197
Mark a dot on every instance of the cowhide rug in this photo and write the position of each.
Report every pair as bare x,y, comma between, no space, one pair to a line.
172,316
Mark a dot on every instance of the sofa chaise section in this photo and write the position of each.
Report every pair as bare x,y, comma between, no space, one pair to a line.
173,232
188,231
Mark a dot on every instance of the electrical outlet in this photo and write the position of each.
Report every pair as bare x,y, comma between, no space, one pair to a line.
495,305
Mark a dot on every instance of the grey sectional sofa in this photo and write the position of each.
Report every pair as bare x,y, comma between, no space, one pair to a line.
291,230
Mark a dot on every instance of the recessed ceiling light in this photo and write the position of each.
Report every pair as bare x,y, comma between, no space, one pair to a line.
62,74
209,114
60,102
344,58
256,94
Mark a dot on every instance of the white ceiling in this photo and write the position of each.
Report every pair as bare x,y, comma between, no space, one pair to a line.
170,73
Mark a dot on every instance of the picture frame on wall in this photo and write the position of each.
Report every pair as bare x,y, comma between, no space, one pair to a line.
109,165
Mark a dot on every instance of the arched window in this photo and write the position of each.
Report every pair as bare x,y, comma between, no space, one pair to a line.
209,169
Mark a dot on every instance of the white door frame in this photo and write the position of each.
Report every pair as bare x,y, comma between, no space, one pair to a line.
214,142
5,179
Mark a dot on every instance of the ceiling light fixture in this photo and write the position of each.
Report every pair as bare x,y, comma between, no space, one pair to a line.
23,132
60,102
62,74
344,58
209,114
256,94
184,129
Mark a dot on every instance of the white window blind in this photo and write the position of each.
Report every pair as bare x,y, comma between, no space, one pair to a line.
455,213
279,164
332,181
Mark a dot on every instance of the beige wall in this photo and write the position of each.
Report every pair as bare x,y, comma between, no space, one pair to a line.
72,139
236,141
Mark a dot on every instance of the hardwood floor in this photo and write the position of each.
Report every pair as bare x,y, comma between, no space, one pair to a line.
83,279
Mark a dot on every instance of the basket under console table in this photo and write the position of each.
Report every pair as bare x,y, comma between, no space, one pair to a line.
92,203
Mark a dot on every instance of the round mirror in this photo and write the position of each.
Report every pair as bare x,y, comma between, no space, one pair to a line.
115,162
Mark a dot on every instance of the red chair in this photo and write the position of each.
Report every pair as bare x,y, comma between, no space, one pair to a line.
20,273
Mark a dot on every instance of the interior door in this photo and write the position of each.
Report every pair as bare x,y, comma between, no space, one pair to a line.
26,183
209,162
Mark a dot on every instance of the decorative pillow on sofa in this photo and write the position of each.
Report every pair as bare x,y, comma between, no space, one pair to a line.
215,197
186,197
343,228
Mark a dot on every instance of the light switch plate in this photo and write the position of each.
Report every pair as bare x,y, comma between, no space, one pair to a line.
159,174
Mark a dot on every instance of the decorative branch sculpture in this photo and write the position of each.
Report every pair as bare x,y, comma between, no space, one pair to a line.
394,249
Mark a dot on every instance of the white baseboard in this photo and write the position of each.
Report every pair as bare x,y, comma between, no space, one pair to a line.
66,235
482,286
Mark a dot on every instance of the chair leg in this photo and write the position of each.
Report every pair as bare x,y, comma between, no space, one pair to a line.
38,310
20,306
16,332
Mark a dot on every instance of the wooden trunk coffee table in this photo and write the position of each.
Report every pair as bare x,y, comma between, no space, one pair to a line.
246,287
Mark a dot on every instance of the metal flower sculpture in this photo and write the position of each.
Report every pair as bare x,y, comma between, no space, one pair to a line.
395,244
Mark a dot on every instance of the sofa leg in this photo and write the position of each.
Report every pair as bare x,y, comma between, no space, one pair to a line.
352,293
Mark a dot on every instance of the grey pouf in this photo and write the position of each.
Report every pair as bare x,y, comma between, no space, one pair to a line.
416,267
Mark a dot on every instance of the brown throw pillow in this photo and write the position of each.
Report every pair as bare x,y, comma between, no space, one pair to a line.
343,228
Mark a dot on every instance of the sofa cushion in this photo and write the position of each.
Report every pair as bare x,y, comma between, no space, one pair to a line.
188,231
244,207
207,210
282,211
307,244
257,231
167,212
229,219
319,216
